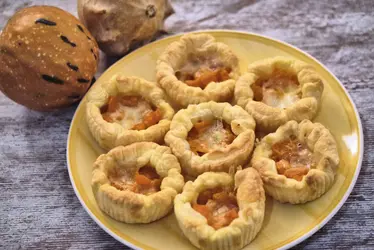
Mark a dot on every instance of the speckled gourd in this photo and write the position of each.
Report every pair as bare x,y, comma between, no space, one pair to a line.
123,24
47,58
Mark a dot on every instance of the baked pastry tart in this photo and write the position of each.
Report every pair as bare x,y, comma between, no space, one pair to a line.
127,110
137,183
298,162
277,90
211,137
217,211
197,69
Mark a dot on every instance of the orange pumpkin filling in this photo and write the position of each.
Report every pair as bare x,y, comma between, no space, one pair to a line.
218,206
145,181
199,72
206,136
293,159
280,90
132,112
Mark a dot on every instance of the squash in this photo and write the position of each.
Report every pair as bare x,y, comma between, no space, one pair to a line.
47,58
123,24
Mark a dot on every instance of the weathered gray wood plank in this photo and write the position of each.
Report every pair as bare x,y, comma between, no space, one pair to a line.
38,208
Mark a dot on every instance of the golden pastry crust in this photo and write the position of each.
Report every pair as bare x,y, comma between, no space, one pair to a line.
317,181
197,45
110,135
269,118
125,205
237,153
242,230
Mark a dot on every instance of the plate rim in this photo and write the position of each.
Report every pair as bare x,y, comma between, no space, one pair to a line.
288,245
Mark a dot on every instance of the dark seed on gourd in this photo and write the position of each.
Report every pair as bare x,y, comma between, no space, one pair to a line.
74,96
164,32
93,80
73,67
94,54
52,79
80,28
66,40
45,22
82,80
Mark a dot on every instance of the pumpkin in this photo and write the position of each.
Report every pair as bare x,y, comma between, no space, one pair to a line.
47,58
123,24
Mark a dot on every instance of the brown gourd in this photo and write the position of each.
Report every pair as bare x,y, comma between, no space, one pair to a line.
47,58
123,24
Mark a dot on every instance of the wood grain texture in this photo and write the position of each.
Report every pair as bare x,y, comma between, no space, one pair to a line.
38,208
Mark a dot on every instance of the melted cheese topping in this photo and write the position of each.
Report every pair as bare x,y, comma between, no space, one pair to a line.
293,159
276,99
129,116
212,137
121,179
281,90
146,181
196,66
294,152
218,206
215,136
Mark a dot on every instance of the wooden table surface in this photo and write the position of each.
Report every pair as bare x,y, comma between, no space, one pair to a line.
38,207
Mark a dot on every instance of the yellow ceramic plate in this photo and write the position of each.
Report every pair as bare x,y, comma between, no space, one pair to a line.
284,225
